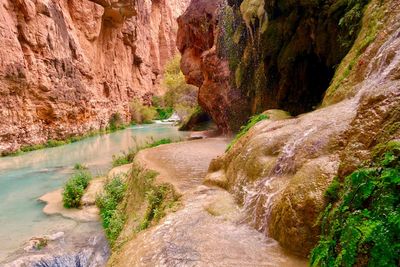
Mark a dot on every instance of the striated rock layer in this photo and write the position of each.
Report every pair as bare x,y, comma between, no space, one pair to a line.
280,170
67,66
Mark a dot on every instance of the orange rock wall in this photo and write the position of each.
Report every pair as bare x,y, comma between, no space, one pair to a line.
67,65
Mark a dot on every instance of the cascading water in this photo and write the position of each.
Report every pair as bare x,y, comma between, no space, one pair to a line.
259,196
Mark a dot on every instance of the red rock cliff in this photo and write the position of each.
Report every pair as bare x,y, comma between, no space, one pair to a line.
197,41
67,65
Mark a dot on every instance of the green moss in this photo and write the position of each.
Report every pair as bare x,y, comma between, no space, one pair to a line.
244,129
362,228
239,76
369,30
332,193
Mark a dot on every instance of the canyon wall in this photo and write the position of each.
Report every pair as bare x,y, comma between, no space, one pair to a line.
203,67
66,66
252,55
280,170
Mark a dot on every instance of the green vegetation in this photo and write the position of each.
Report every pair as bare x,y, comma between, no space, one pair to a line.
244,129
124,158
127,157
141,113
180,96
75,188
159,199
116,123
332,192
80,167
164,113
146,203
160,142
350,23
362,227
40,243
113,219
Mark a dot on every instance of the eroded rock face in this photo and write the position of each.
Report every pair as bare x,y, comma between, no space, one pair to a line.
203,67
280,170
252,55
67,66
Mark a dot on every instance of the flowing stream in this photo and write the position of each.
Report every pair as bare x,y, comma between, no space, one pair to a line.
24,178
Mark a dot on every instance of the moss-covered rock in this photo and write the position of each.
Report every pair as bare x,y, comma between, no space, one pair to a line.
286,55
362,226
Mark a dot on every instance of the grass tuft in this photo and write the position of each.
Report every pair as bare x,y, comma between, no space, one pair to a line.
127,157
244,129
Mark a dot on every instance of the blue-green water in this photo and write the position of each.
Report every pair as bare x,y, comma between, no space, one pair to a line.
24,178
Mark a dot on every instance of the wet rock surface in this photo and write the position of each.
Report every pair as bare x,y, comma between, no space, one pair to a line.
206,230
280,170
86,245
67,66
249,56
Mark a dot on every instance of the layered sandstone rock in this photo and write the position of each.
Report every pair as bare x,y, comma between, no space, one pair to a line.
280,170
67,66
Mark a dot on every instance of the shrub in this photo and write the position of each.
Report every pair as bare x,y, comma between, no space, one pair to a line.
244,129
362,227
157,101
75,188
112,217
115,122
141,113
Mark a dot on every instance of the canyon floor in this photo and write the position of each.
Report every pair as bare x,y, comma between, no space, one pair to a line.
207,229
